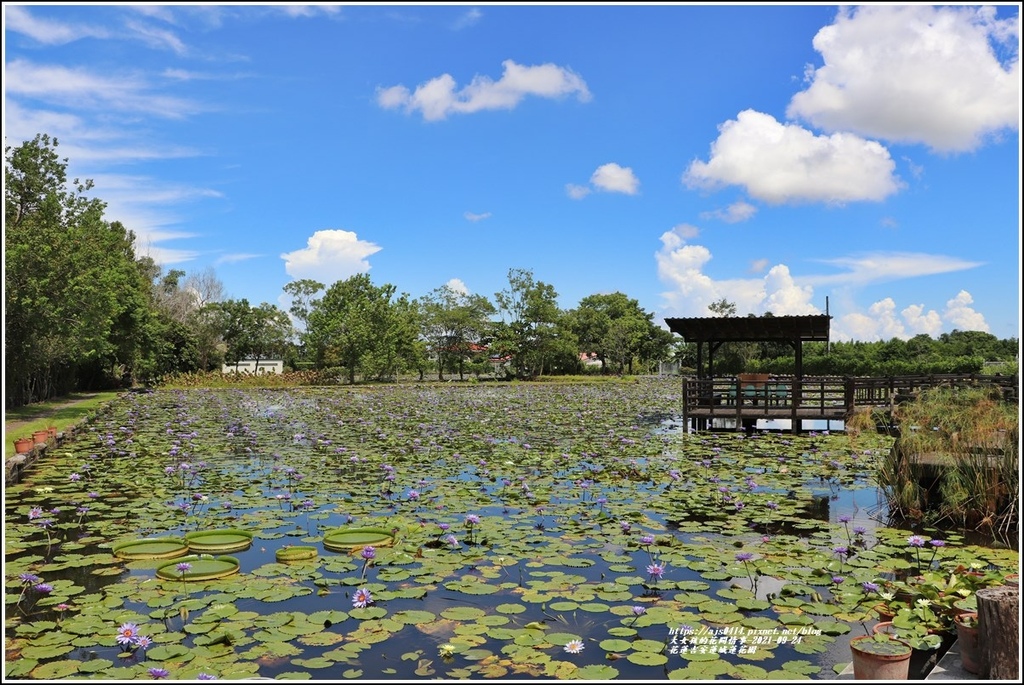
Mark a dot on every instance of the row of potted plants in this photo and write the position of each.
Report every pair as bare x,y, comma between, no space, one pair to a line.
25,445
918,615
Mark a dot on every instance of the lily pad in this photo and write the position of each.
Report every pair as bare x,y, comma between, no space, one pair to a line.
296,553
201,568
348,539
151,548
219,541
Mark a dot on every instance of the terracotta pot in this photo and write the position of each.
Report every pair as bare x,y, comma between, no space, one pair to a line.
867,665
23,445
883,613
52,431
967,640
1011,579
41,436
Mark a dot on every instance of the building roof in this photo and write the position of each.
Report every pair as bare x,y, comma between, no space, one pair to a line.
752,328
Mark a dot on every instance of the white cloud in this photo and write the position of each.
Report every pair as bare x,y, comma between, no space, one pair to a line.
878,267
236,257
467,19
882,323
301,11
456,285
916,74
437,98
86,90
615,179
781,163
470,216
734,213
329,256
919,321
962,316
758,265
682,267
160,39
46,31
576,192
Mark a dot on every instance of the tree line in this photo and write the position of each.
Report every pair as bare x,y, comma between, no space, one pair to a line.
84,311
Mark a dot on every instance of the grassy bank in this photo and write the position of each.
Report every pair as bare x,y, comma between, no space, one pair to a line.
63,412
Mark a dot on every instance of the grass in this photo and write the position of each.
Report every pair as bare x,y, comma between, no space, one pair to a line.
63,412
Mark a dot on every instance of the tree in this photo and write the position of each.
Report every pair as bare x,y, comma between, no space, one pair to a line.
722,308
530,315
454,325
303,293
352,327
616,327
75,298
255,333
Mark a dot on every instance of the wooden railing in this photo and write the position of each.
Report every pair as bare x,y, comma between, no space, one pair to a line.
741,395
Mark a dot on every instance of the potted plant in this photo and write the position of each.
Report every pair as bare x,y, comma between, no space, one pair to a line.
967,639
23,445
880,657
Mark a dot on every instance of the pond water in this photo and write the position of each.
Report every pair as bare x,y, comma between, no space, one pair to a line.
531,531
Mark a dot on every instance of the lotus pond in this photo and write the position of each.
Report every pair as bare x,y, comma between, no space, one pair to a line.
408,532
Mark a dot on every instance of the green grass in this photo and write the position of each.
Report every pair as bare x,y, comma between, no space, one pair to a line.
62,412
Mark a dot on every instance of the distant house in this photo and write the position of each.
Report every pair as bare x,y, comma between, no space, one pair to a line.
589,359
250,366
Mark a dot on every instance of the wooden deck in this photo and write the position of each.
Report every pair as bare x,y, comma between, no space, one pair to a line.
823,398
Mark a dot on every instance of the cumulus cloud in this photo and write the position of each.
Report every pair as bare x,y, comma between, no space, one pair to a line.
962,316
734,213
615,179
785,163
329,256
682,266
915,74
456,285
881,322
437,98
470,216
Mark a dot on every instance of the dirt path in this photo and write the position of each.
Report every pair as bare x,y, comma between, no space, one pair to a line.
43,412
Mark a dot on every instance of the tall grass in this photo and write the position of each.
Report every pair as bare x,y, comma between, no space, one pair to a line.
969,436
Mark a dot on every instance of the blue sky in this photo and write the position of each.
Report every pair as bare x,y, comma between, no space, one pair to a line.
774,156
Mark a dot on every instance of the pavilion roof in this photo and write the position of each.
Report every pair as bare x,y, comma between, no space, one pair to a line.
752,328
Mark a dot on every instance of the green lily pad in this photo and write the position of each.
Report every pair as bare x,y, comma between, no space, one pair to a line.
219,541
202,568
151,548
348,539
296,553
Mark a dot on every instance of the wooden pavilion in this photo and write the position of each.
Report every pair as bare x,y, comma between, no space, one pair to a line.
761,399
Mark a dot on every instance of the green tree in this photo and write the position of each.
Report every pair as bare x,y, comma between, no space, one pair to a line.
352,327
255,333
75,298
454,325
530,316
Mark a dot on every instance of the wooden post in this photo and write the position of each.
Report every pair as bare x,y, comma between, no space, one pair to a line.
999,632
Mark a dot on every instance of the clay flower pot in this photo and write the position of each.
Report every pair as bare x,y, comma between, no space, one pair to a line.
967,639
875,659
23,445
41,437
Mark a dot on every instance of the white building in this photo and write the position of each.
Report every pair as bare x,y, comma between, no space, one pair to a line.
249,366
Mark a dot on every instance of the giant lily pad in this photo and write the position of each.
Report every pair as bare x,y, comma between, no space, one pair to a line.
296,553
202,567
347,539
151,548
219,541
